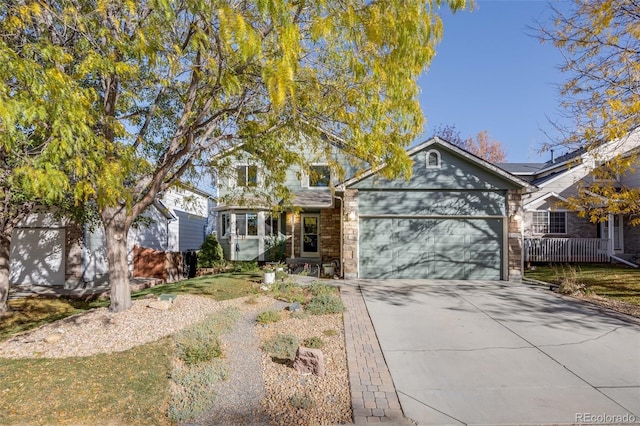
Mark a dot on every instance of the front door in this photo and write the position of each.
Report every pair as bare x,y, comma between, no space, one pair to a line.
310,235
618,242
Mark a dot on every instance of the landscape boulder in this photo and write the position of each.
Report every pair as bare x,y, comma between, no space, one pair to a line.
309,361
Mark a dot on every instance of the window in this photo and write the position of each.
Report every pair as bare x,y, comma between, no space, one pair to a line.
246,224
247,175
433,159
319,176
545,222
271,224
225,225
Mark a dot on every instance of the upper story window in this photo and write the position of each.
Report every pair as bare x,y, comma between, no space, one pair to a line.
319,176
546,222
246,175
433,159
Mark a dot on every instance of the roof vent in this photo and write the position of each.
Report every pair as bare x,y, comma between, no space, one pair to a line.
553,159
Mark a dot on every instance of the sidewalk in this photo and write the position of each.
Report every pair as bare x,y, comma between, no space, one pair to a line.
373,395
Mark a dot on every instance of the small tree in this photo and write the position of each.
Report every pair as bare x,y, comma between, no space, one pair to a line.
210,253
482,146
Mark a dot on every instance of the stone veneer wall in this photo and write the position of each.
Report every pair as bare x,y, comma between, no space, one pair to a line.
514,239
330,234
350,235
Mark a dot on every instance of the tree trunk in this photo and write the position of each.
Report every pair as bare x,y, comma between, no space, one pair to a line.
5,245
116,228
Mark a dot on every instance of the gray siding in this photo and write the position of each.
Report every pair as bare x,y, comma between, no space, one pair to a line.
455,172
246,249
192,229
472,203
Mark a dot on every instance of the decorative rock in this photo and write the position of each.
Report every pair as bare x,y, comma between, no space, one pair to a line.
53,338
170,297
309,361
295,307
161,305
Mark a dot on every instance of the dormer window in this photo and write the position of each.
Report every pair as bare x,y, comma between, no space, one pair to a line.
247,175
433,159
319,176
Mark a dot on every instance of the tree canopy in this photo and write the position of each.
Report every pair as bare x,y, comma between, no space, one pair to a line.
600,44
169,85
483,146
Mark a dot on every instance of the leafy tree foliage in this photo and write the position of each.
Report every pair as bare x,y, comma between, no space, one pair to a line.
44,124
600,42
175,84
482,146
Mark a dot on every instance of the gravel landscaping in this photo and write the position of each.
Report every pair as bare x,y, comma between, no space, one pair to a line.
258,390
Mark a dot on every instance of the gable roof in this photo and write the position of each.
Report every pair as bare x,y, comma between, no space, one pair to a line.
493,169
531,205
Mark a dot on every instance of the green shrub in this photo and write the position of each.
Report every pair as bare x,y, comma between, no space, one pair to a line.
282,346
330,332
210,253
302,402
313,342
200,343
269,316
318,288
192,394
196,345
325,304
275,249
245,266
289,292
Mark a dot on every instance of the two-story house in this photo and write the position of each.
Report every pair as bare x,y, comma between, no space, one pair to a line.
458,217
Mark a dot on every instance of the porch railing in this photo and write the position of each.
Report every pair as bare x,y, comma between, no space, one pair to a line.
566,250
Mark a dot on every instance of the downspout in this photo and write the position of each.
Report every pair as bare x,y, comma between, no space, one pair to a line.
341,226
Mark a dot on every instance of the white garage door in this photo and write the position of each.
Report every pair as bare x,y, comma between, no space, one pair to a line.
37,257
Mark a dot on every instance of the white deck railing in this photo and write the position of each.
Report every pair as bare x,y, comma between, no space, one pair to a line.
566,250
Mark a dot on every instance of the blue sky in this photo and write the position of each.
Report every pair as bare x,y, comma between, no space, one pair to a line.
489,73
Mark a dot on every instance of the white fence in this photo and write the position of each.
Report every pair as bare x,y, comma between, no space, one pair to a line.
566,250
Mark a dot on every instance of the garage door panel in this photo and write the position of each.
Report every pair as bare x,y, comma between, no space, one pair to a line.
430,248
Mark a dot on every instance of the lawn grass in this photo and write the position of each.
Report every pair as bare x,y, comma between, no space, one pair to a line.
612,282
130,387
32,312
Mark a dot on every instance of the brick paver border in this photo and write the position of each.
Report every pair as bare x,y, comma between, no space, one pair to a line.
373,395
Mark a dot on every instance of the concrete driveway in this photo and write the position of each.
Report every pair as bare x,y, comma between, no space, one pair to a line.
480,352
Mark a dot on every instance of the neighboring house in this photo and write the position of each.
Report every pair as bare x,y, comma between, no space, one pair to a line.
456,218
46,250
554,233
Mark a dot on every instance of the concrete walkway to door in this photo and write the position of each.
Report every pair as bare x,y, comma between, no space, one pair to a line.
480,352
